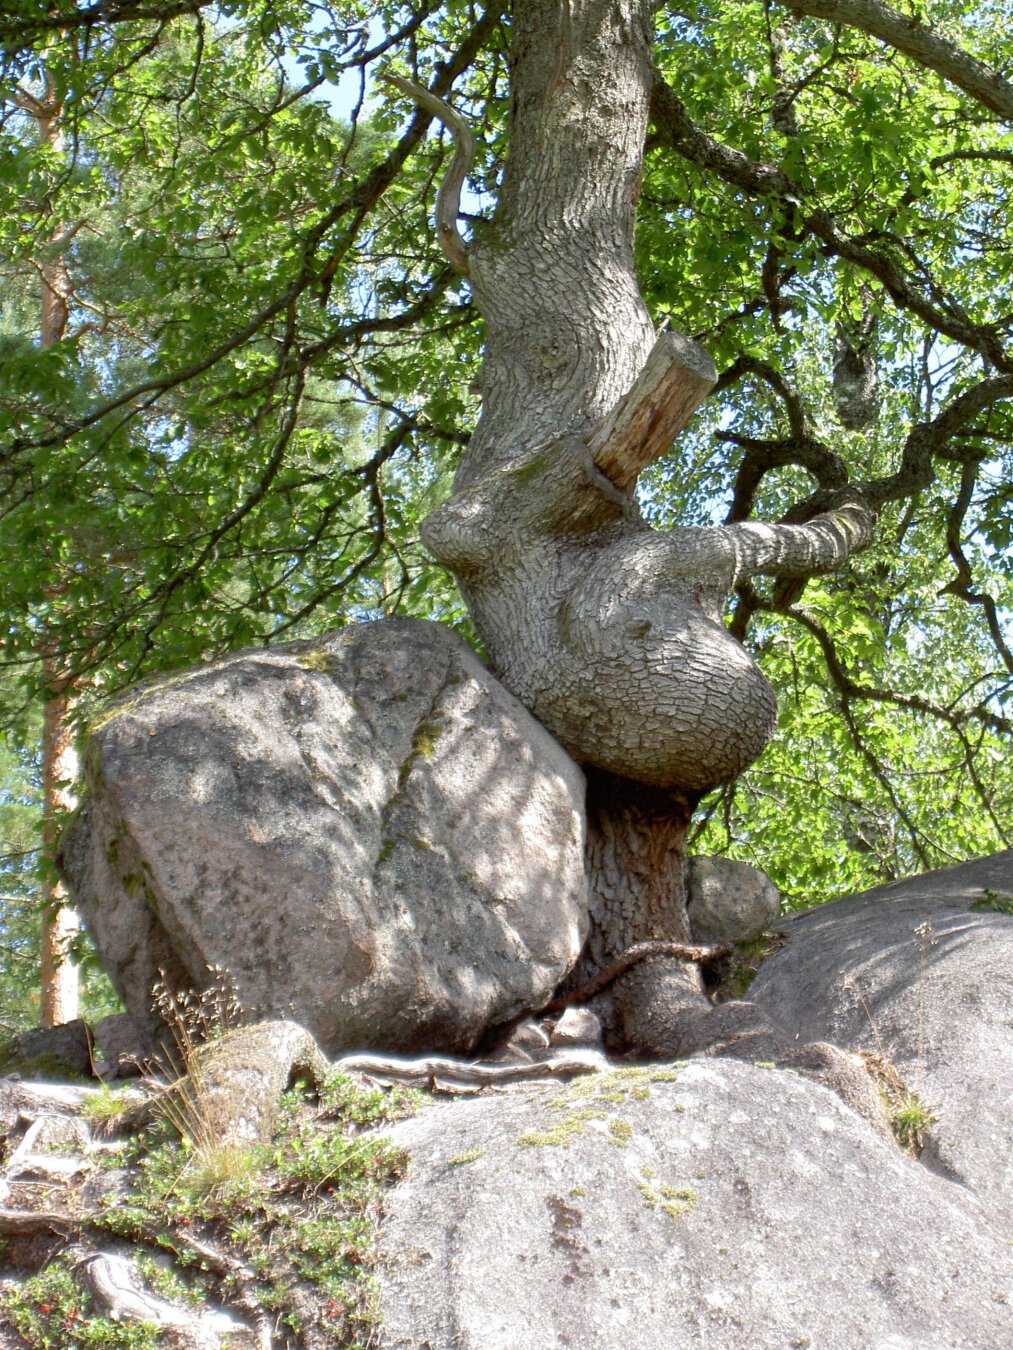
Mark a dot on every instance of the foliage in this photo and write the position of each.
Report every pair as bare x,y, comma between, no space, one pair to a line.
269,371
1000,904
53,1311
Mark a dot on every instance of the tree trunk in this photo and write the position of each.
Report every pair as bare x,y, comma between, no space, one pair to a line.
60,925
610,632
636,842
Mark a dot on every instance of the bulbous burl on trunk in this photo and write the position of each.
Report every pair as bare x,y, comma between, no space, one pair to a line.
609,631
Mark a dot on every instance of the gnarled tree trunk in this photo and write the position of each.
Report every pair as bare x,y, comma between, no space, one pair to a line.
610,632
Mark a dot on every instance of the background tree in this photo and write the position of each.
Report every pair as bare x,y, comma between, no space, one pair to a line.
823,203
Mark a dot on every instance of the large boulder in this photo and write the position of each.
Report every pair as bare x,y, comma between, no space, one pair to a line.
366,831
918,972
729,901
719,1204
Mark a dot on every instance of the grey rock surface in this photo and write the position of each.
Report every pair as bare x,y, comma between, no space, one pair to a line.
577,1026
67,1046
729,901
909,971
122,1045
366,831
720,1205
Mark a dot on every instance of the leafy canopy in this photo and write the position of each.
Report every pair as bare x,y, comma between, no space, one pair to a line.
269,369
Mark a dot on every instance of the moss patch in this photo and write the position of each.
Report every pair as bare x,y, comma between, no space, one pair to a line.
535,468
461,1159
675,1201
585,1099
620,1132
315,660
738,971
562,1132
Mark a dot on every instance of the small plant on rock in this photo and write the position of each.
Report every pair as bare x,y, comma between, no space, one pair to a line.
212,1167
53,1311
910,1119
108,1107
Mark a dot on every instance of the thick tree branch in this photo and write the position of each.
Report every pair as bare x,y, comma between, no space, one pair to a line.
907,34
676,378
927,439
24,29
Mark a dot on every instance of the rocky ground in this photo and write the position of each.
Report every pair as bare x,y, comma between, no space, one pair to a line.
548,1197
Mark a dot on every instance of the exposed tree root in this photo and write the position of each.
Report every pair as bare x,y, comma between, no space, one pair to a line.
117,1289
641,951
223,1265
454,1075
38,1223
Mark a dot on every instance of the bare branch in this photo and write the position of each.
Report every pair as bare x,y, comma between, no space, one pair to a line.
448,197
850,689
962,584
751,365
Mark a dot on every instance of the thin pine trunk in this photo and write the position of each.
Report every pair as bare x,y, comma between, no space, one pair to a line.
60,924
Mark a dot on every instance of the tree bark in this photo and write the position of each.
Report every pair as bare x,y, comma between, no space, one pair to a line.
60,923
612,633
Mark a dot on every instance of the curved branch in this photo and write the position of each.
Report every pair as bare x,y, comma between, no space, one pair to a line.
762,456
962,584
640,951
751,365
25,29
922,44
676,130
930,438
448,197
849,689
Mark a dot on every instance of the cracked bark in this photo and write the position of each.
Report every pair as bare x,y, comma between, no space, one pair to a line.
610,632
